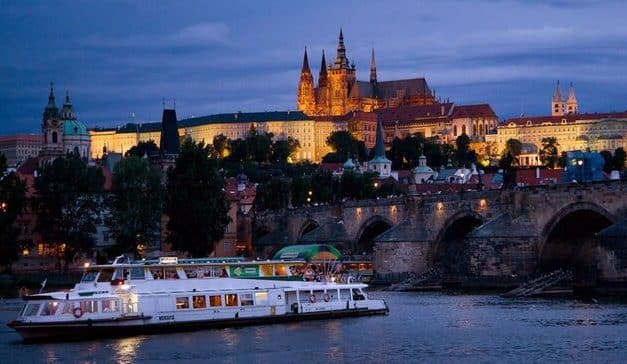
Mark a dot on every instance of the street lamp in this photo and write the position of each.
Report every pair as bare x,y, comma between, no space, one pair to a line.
3,206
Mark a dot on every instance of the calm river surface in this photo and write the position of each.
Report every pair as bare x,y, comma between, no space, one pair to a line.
421,327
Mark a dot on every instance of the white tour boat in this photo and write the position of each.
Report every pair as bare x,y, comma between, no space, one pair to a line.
127,298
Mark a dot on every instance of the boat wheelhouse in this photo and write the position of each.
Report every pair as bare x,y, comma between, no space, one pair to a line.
125,298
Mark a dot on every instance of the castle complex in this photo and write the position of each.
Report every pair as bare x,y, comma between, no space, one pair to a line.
572,130
339,91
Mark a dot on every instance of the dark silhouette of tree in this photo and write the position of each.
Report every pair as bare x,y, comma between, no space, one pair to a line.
463,154
345,145
608,161
12,201
135,205
222,145
513,147
548,153
68,204
509,171
273,195
148,148
619,158
195,202
284,150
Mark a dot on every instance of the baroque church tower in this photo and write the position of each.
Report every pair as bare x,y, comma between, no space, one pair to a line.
559,107
51,127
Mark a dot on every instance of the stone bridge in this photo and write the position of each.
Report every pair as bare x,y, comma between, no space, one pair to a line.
482,234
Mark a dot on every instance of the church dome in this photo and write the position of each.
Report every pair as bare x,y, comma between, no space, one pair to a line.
74,127
529,148
349,164
422,169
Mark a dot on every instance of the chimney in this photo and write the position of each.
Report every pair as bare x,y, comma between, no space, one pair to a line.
442,110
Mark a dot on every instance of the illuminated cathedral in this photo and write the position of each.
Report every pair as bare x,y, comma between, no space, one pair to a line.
339,92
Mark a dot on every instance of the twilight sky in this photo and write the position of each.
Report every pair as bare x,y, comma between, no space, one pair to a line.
121,57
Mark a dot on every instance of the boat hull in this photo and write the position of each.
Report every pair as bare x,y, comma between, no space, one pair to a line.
85,330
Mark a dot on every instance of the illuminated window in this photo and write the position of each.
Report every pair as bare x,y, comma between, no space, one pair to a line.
182,303
199,301
261,298
215,301
230,299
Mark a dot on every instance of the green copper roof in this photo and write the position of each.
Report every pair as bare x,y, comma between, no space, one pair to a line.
74,127
379,147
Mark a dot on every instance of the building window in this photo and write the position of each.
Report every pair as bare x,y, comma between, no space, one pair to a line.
454,130
54,137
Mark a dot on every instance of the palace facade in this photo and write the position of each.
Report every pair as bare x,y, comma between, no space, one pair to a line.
573,131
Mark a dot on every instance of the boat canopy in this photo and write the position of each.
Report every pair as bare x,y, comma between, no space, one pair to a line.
308,252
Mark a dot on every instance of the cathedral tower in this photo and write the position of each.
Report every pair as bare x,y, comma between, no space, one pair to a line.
558,107
571,102
322,95
341,80
306,95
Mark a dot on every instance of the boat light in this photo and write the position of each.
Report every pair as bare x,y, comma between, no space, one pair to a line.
117,282
86,265
125,287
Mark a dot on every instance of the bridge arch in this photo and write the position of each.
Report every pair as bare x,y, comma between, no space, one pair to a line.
307,227
567,241
449,252
369,230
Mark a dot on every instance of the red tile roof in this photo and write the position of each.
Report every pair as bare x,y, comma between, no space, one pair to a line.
473,111
570,118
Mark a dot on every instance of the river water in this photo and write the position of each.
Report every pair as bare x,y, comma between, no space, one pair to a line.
421,327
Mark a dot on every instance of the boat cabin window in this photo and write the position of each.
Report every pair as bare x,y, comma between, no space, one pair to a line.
157,273
89,306
246,299
170,273
358,295
138,273
105,275
215,301
182,303
230,299
191,273
261,298
199,301
49,309
89,276
110,305
31,309
68,308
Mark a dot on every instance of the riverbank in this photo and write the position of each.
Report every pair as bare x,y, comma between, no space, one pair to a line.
12,284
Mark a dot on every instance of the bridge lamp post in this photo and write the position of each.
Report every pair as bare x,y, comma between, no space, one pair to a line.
580,168
309,194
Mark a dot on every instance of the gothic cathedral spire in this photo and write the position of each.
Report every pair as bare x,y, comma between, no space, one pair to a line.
306,93
373,69
340,59
322,77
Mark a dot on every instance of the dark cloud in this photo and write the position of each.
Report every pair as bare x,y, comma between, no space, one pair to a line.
122,57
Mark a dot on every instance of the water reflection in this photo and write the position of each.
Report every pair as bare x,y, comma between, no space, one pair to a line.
126,349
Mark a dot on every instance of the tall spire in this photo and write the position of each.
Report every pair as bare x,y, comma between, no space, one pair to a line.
379,147
51,102
557,95
322,78
67,98
340,59
373,69
305,63
571,93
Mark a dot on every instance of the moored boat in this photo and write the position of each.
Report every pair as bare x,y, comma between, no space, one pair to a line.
126,298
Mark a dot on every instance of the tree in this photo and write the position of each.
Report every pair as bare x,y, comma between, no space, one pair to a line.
135,205
608,161
68,202
513,147
258,146
222,145
344,145
619,158
148,148
464,155
300,191
284,150
273,195
509,171
195,201
12,200
548,153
